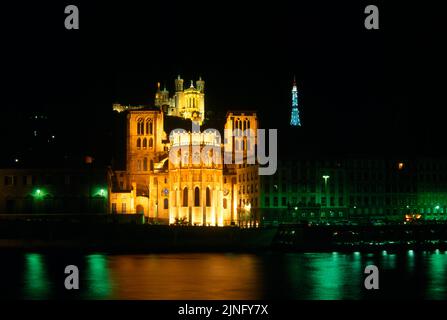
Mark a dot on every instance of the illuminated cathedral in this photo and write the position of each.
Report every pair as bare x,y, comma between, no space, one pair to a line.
179,177
185,103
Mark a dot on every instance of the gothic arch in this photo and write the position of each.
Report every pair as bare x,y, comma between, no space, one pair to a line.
149,126
185,197
196,197
140,126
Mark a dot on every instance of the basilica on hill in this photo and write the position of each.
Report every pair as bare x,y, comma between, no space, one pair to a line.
193,190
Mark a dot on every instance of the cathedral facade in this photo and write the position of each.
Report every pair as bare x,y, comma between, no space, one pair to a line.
181,177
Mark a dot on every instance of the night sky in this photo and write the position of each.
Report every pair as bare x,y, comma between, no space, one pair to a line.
361,91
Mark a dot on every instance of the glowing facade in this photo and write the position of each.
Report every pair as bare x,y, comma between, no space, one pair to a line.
295,116
185,103
180,177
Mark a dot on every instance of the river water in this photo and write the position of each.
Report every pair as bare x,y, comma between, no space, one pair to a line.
223,276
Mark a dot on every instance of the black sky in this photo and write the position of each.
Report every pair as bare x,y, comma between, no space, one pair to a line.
360,90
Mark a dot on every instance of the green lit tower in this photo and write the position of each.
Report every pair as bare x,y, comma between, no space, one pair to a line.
295,116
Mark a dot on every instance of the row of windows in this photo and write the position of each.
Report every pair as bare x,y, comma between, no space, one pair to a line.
142,125
196,197
359,176
250,189
248,177
241,124
303,201
353,202
197,203
252,202
165,206
139,210
394,211
143,165
364,164
285,188
143,143
330,188
192,102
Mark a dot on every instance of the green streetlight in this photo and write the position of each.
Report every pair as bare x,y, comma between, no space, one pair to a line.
38,193
325,177
437,207
101,192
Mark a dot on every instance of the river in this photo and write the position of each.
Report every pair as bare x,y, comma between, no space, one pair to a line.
223,276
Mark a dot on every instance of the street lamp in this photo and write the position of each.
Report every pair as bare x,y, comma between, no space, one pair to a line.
100,192
38,193
437,209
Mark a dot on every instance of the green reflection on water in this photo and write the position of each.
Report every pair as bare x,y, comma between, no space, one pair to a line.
411,262
436,287
98,284
36,284
329,279
388,260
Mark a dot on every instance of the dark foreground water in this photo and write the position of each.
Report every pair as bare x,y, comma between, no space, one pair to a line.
413,275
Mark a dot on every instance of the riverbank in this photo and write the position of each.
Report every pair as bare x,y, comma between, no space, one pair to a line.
132,238
143,238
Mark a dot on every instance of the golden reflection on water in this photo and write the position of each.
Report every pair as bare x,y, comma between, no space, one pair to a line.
220,276
185,276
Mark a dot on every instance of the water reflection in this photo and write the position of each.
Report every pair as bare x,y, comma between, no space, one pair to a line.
35,281
388,261
186,276
437,284
98,282
223,276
